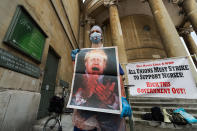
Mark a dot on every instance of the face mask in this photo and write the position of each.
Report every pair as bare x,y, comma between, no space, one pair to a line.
95,37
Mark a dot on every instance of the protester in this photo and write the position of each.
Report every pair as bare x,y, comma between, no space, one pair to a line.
97,121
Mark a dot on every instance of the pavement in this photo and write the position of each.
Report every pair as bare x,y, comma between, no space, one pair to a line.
66,123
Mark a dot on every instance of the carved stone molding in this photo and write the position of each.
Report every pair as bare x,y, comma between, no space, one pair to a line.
185,31
172,1
180,4
90,21
93,5
109,2
176,1
87,20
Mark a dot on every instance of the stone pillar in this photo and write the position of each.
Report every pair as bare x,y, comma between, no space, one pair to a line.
167,30
117,35
170,37
81,31
88,23
116,31
190,7
189,41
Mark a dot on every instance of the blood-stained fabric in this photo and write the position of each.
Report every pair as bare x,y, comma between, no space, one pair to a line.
88,120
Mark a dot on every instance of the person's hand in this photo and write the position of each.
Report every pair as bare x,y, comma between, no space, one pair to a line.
105,92
74,53
126,108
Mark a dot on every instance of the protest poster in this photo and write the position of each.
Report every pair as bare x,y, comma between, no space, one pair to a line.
169,78
95,84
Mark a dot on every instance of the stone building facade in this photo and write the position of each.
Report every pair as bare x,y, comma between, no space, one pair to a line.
142,30
22,97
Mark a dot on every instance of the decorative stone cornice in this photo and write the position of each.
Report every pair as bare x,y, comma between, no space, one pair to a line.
93,5
87,2
87,20
176,1
185,30
90,21
109,2
179,3
172,1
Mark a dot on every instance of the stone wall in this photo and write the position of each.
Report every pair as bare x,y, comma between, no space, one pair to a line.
21,93
18,110
141,38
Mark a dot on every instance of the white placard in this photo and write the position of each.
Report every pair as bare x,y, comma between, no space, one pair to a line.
96,82
170,78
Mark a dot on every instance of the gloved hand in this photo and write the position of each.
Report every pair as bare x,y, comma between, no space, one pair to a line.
126,108
121,70
74,53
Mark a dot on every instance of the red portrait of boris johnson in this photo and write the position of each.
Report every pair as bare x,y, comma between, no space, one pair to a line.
96,85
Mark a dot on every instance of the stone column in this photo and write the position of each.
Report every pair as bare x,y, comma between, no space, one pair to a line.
170,37
189,41
190,7
81,31
167,30
88,23
116,31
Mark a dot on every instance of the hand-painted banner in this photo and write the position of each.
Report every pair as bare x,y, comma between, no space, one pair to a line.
170,78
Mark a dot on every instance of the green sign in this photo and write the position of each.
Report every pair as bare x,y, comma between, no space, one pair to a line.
25,35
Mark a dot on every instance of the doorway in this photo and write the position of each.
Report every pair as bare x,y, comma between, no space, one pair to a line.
49,82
